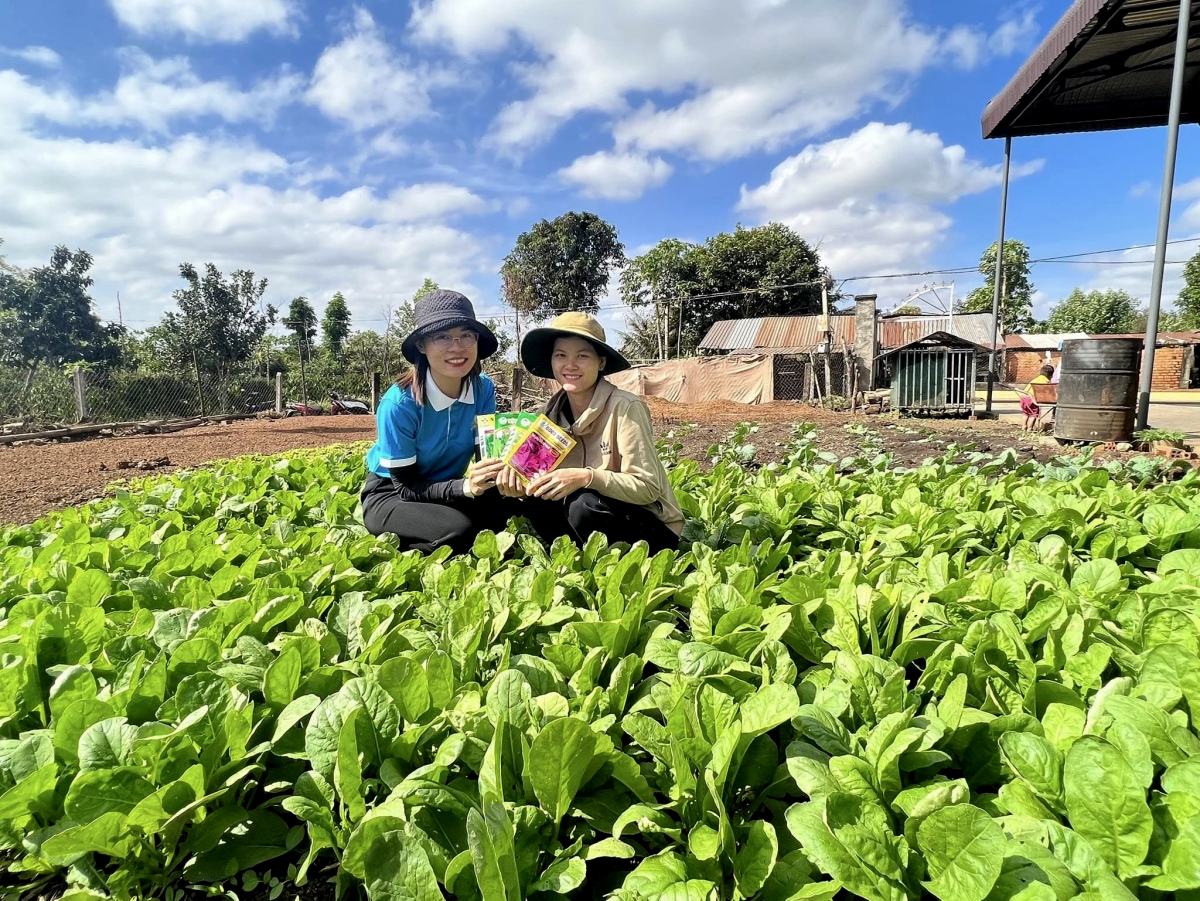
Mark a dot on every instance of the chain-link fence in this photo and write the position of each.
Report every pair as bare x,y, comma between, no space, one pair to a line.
122,396
40,395
812,378
48,398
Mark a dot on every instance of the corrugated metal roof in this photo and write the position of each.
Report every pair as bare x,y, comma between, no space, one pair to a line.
900,331
1041,342
1054,342
801,334
1105,65
1165,339
781,334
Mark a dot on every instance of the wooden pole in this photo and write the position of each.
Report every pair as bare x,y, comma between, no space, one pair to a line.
376,386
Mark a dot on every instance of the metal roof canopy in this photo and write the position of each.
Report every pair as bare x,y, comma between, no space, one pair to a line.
1106,65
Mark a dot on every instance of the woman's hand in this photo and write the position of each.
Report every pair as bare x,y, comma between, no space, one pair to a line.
483,476
554,486
508,483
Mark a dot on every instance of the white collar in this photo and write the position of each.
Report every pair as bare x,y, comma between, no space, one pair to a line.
440,402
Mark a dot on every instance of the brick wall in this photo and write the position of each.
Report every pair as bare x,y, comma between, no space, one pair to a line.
1021,366
1168,368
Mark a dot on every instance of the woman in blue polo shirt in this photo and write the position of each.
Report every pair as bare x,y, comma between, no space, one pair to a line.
417,484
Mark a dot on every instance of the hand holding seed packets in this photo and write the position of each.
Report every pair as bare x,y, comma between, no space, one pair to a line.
529,444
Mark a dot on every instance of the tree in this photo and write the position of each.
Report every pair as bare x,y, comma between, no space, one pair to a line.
660,277
1016,299
561,265
908,309
220,322
49,318
335,327
1187,307
765,271
1096,313
301,321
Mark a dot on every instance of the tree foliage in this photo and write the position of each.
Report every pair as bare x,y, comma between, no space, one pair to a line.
219,321
765,271
301,321
335,325
1187,307
1111,312
1016,300
47,315
562,264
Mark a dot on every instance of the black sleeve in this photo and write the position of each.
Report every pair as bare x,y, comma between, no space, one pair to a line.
412,487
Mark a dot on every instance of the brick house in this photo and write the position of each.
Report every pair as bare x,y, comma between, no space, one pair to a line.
1176,361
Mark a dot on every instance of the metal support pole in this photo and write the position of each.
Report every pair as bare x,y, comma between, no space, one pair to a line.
999,273
1164,213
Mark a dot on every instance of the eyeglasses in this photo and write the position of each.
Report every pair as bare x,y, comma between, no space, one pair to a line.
444,342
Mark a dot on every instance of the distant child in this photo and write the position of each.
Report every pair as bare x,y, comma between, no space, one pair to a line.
1028,406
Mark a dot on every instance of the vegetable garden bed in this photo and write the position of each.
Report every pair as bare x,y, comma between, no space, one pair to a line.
965,681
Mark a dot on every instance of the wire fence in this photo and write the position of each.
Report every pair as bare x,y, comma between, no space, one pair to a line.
37,395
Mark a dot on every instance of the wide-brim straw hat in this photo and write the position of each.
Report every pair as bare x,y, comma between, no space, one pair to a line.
440,310
538,346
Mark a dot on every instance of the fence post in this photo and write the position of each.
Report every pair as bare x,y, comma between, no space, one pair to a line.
518,386
279,392
199,385
79,379
376,386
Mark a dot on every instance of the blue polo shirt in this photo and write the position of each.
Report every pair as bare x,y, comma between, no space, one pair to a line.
439,437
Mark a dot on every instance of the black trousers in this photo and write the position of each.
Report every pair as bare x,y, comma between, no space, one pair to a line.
427,526
586,511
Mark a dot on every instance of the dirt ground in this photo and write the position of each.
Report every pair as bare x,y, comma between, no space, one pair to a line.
40,478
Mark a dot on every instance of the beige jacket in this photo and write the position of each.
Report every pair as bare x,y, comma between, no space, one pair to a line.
615,439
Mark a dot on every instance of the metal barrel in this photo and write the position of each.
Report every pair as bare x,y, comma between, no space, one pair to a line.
1097,389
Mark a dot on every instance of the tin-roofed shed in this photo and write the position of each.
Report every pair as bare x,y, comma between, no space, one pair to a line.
934,374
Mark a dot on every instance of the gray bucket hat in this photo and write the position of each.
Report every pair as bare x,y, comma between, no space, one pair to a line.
440,310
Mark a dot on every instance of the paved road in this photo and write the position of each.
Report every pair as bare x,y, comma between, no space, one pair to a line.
1180,416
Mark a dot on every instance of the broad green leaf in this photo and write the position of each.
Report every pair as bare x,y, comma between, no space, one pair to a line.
32,795
558,760
1105,803
1036,761
96,792
963,850
398,870
348,769
755,859
107,745
89,588
282,678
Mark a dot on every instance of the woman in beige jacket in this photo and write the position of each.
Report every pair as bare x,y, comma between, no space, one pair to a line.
612,481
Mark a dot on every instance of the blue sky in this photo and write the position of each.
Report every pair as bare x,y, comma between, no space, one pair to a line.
364,146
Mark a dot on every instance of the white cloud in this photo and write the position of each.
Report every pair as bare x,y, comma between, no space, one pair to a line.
713,79
615,176
971,48
208,20
872,199
361,81
38,56
142,209
151,93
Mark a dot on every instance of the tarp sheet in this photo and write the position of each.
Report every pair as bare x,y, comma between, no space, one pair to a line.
746,379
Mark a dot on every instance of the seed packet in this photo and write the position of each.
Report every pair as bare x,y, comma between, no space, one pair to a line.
538,450
485,426
505,435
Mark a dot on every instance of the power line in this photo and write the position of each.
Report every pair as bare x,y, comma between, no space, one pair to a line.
1066,259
